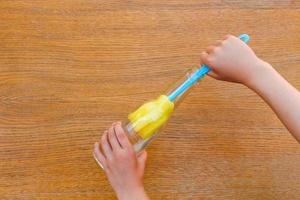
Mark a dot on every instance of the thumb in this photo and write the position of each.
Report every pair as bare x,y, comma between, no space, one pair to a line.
141,159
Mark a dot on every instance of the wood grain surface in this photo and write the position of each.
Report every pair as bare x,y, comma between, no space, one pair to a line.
69,68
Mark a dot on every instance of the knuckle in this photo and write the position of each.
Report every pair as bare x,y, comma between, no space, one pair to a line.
211,48
229,36
110,160
217,49
205,59
121,157
219,43
203,56
209,60
223,42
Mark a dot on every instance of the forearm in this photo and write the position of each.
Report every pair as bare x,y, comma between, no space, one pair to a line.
281,96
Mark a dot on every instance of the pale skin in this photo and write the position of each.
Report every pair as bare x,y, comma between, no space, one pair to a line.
230,60
124,169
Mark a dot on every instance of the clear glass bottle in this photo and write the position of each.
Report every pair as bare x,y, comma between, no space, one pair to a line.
143,124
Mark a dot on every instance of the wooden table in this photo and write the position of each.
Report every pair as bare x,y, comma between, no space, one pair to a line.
69,68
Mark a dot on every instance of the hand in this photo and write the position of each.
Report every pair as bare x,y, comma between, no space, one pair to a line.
123,168
233,60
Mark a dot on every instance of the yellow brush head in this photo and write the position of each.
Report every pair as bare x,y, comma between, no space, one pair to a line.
149,117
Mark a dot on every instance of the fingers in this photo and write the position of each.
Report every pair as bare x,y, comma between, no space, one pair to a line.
207,60
228,36
99,156
214,75
204,58
105,145
210,49
122,137
113,138
218,43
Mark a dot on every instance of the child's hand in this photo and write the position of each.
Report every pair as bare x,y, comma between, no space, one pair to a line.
123,168
232,60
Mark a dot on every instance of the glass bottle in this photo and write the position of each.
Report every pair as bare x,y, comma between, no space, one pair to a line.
143,125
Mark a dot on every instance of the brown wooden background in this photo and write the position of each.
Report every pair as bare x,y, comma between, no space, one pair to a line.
69,68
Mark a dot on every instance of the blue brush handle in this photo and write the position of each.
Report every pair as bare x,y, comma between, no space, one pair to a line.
197,75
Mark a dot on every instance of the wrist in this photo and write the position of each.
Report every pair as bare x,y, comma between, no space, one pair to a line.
136,193
262,72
